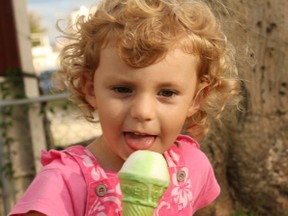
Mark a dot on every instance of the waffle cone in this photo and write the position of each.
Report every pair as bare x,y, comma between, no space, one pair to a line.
130,209
140,196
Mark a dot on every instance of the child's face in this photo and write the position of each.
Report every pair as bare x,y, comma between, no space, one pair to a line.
142,108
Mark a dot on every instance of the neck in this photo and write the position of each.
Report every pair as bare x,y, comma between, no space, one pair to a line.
107,159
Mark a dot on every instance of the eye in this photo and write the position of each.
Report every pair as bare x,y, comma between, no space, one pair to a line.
167,93
122,90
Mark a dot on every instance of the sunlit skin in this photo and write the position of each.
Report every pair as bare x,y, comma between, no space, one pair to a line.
140,108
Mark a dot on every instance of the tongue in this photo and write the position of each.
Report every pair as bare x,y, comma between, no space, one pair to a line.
139,142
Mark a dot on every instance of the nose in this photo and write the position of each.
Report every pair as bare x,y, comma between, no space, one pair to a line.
143,108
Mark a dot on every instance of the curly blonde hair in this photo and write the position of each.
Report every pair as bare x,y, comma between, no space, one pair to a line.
143,31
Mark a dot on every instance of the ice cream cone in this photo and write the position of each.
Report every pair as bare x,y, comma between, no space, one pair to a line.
144,179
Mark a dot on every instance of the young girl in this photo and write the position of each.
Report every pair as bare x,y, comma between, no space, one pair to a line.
151,69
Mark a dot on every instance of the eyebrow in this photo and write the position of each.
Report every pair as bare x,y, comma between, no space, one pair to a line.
118,78
122,80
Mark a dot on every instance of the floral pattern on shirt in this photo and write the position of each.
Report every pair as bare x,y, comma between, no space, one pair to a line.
182,190
101,206
179,192
111,201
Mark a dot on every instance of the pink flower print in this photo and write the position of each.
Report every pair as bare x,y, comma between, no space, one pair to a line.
112,200
100,206
172,158
182,191
98,173
97,207
162,205
87,162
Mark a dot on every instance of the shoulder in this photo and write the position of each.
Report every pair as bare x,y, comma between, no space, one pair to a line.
187,141
69,161
64,157
190,150
201,172
56,188
65,164
191,155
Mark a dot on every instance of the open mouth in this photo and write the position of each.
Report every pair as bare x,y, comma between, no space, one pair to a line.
139,141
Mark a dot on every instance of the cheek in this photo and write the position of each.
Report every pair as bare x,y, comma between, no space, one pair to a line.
107,124
110,109
110,114
174,121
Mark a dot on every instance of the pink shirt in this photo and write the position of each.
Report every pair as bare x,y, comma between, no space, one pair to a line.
73,183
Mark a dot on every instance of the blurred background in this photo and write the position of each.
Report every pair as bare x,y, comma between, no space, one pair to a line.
249,152
35,114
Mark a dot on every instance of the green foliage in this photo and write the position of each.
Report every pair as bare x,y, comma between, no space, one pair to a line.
10,88
244,212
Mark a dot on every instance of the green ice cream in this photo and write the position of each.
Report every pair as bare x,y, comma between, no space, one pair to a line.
144,178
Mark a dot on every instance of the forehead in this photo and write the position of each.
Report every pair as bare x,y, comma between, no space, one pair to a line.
109,57
175,67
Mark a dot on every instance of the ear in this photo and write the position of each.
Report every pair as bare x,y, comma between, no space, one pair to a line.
88,90
199,98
